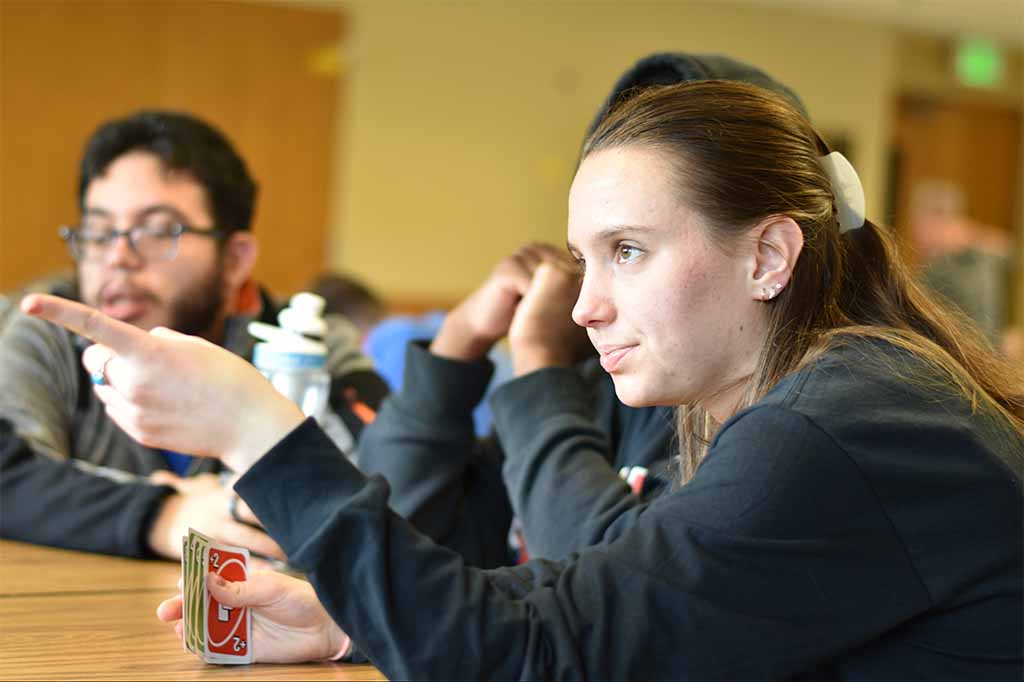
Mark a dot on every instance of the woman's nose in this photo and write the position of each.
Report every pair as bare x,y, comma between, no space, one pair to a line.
593,307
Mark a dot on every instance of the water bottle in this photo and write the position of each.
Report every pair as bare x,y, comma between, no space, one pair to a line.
294,357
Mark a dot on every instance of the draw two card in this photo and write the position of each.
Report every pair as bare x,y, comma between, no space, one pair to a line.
211,630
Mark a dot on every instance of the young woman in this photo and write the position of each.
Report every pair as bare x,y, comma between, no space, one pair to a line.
851,494
462,492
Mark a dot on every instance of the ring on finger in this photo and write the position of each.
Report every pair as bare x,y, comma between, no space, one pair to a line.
99,378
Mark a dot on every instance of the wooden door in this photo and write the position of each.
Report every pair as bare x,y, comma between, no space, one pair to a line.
254,70
973,145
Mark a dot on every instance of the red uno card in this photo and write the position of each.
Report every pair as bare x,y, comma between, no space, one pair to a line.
227,628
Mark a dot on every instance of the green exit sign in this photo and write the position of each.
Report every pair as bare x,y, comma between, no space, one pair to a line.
979,63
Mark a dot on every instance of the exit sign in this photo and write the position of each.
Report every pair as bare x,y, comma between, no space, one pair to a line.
979,63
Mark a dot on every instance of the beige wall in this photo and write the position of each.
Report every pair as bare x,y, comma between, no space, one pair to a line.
463,119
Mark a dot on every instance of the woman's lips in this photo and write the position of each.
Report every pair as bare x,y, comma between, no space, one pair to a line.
612,358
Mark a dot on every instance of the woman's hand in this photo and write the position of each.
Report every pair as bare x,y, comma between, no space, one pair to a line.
288,623
176,392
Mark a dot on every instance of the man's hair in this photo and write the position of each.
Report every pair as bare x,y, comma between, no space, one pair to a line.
183,143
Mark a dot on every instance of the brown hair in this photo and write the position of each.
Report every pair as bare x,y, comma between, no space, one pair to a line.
741,154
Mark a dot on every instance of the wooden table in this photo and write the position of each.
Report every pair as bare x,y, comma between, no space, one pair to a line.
71,615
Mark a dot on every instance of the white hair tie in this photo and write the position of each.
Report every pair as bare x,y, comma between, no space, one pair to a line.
847,190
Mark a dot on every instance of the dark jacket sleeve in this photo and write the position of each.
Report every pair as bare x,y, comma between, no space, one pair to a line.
442,478
776,557
563,487
52,502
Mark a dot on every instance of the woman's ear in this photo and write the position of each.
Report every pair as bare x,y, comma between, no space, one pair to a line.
779,241
239,257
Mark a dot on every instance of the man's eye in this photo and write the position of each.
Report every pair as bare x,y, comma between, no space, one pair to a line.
97,236
157,231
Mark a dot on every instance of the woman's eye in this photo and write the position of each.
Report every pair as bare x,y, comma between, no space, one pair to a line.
625,253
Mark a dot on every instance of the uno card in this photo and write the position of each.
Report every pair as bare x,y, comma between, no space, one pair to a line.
188,577
214,632
195,589
226,629
186,597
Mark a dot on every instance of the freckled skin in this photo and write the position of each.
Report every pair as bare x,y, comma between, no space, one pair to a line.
681,303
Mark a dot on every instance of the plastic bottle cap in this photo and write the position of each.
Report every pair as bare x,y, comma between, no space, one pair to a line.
304,315
285,340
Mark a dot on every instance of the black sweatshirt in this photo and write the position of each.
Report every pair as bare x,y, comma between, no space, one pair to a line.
450,485
849,525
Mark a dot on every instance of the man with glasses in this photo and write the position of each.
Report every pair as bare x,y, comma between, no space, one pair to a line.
163,241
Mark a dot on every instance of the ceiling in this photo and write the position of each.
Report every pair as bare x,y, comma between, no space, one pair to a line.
998,20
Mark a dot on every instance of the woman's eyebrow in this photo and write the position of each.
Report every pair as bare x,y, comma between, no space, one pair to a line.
613,232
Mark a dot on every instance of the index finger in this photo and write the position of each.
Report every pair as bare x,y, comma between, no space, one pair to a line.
84,321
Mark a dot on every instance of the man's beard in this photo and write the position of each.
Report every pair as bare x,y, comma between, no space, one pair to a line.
198,308
194,310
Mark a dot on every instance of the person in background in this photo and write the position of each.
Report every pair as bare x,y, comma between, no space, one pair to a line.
163,242
965,261
385,335
850,489
346,296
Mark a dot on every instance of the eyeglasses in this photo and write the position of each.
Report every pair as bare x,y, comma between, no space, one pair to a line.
150,242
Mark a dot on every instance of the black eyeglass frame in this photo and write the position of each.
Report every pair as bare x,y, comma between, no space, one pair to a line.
70,236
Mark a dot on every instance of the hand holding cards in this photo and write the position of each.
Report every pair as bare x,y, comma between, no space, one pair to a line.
214,632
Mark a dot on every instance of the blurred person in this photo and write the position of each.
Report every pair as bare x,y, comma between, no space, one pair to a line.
163,242
965,261
346,296
466,491
850,482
